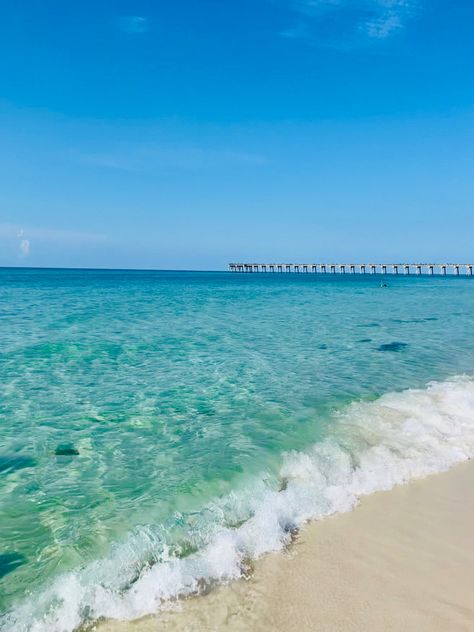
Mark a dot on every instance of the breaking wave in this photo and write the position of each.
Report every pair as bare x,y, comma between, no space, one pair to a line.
370,446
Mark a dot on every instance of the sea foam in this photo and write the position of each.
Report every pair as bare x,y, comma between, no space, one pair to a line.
370,446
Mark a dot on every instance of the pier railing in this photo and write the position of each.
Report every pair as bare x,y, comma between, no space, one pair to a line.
356,268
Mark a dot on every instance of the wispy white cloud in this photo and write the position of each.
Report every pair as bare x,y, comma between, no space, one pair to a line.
314,7
25,247
388,17
52,235
299,30
151,158
354,20
382,26
133,24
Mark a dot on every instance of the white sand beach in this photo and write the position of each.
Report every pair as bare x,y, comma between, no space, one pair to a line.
402,561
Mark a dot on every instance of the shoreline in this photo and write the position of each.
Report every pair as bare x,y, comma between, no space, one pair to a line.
402,560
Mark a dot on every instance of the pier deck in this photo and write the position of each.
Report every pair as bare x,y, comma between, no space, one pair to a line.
357,268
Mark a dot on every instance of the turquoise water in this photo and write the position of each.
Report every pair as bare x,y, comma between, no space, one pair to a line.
183,395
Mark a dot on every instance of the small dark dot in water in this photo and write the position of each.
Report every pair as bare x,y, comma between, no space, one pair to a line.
372,325
322,346
66,450
431,318
393,346
365,340
9,562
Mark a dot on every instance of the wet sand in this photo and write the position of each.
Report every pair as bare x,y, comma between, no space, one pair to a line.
402,561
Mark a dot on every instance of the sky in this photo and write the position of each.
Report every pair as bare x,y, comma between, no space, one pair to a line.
187,134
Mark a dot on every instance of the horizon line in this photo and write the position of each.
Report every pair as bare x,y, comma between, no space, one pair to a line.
2,267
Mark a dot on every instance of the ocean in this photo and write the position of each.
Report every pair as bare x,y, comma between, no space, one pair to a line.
160,430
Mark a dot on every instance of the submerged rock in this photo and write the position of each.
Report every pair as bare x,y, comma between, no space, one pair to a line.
10,561
66,450
10,463
393,346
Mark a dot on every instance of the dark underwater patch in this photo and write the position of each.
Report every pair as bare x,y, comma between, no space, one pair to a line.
9,562
365,340
13,462
66,449
323,346
413,320
393,346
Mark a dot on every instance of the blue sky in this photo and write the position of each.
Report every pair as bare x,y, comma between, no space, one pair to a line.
190,133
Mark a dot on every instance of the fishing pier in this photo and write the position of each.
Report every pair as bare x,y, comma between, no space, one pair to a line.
455,269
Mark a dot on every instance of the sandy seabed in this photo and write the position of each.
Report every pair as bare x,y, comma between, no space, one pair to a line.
402,561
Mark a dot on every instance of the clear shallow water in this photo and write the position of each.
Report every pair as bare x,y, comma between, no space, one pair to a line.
212,415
